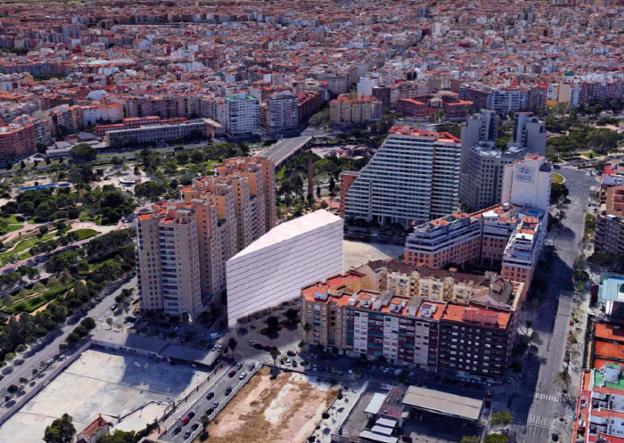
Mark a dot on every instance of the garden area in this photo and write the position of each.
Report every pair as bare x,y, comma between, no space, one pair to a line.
78,276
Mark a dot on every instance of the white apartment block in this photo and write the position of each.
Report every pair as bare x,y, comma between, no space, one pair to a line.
274,268
413,178
242,115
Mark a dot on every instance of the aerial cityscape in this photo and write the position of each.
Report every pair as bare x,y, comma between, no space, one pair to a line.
312,222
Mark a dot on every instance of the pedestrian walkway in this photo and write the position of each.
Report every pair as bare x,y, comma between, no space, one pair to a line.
541,396
539,422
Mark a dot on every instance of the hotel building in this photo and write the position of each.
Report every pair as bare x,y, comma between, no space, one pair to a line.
503,237
216,217
413,177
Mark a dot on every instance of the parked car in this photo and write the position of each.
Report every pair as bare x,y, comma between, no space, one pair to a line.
242,376
210,395
228,391
191,414
177,430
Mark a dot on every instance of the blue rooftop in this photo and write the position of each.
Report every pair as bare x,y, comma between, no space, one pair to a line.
611,288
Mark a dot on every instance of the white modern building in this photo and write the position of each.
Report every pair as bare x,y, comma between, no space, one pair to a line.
526,182
242,115
274,268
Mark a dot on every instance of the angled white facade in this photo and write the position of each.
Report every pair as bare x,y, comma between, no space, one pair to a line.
274,268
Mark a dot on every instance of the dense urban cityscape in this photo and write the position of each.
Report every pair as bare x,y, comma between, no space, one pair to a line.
332,221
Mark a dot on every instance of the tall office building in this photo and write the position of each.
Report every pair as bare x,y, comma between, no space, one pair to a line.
413,177
242,115
526,182
529,133
281,112
216,217
483,164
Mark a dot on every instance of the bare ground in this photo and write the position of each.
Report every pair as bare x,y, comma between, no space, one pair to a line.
284,410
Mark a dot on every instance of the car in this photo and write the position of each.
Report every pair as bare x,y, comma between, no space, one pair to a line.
294,364
185,420
239,366
555,436
210,395
252,366
195,426
209,411
191,415
290,353
215,404
113,307
232,373
177,430
242,376
258,346
228,391
287,360
187,434
252,343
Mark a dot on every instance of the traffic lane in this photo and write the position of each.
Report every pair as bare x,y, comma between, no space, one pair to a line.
216,402
50,351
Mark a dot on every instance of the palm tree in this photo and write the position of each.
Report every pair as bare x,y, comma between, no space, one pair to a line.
563,379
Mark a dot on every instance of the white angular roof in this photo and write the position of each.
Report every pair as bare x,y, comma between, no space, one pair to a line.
291,229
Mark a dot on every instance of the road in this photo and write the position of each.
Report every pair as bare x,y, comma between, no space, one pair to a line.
213,400
538,397
48,352
284,148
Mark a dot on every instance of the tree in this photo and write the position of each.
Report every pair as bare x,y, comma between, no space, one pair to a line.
272,323
232,343
292,315
60,431
501,418
332,186
496,438
563,379
82,152
119,436
318,191
274,353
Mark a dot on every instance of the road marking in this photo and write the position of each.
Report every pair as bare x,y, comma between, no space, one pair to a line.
540,396
539,422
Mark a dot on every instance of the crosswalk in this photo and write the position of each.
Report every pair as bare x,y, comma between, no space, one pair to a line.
541,396
540,422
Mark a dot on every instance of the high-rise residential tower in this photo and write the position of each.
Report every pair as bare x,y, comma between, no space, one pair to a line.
216,217
413,177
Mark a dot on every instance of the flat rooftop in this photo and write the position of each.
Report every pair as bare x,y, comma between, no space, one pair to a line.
291,229
443,403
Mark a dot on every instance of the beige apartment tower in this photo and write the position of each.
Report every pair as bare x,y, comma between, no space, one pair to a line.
220,215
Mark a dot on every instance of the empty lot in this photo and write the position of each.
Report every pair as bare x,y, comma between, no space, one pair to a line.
284,410
103,383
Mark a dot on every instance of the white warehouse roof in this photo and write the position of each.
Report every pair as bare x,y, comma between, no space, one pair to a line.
290,229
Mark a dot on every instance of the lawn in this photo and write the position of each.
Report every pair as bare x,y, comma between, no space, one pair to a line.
557,179
20,250
32,302
83,234
9,224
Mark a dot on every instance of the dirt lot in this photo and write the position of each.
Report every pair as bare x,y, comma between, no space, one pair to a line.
284,410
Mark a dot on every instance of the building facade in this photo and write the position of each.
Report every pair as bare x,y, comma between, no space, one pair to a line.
609,236
350,109
470,336
505,238
216,217
241,115
526,182
159,133
282,112
413,177
274,268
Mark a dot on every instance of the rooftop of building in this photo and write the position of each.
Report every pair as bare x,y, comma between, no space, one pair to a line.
291,229
411,131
